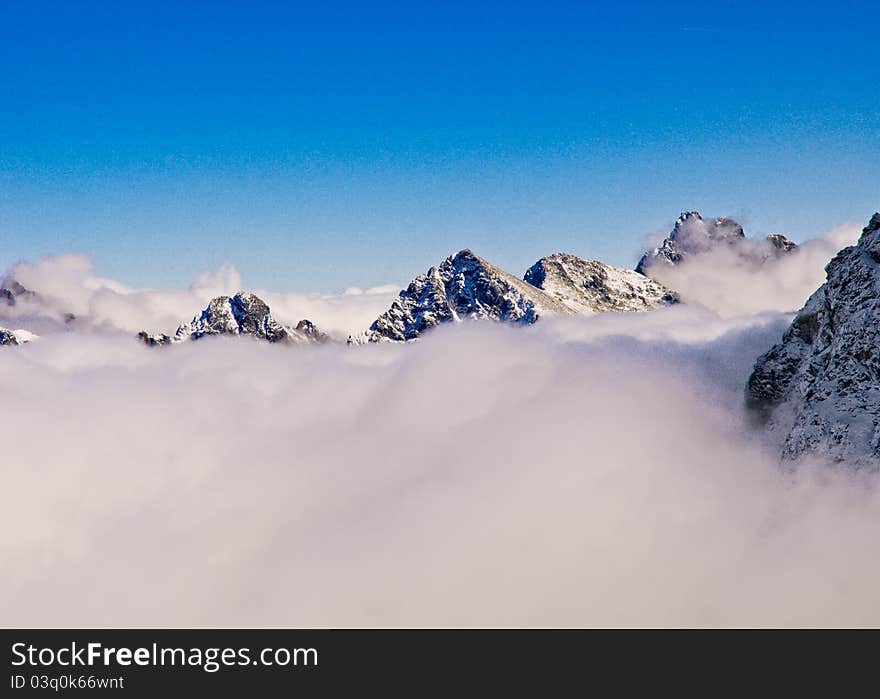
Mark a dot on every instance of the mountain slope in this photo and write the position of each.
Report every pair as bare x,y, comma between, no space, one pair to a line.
819,388
588,286
462,286
242,314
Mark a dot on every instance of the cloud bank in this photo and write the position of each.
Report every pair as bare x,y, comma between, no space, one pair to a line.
582,471
727,281
68,284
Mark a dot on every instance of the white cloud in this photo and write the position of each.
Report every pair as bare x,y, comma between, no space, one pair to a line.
68,284
582,471
732,284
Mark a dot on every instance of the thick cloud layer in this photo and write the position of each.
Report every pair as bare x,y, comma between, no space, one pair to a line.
582,471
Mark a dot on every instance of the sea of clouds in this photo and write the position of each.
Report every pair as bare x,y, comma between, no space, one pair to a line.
581,471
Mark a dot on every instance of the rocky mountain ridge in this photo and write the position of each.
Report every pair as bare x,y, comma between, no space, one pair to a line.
818,389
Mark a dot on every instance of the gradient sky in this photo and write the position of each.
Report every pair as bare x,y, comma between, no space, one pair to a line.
325,145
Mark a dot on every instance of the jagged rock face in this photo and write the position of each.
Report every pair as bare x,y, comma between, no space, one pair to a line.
242,314
693,235
588,286
7,337
463,286
819,388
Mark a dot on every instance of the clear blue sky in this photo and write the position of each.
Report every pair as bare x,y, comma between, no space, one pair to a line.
324,145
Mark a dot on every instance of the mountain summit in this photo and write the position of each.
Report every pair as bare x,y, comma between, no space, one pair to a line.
242,314
818,388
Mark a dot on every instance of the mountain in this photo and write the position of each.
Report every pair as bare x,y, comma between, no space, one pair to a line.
462,286
588,286
819,388
11,291
693,235
242,314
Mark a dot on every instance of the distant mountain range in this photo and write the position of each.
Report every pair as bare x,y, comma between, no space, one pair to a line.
818,389
466,286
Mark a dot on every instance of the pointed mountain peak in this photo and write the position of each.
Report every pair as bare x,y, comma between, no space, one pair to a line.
465,254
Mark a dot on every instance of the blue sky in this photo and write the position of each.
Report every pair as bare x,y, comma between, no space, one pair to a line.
320,146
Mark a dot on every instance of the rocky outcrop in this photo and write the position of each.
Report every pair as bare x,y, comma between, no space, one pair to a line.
588,286
819,388
242,314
